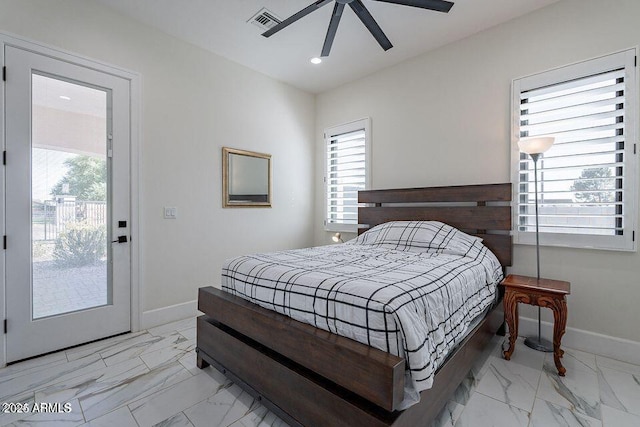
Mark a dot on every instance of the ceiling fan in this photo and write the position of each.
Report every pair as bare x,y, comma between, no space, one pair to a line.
361,11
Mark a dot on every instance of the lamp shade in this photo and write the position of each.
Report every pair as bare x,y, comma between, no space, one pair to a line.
337,237
535,145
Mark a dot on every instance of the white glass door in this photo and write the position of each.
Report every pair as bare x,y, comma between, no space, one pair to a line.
67,207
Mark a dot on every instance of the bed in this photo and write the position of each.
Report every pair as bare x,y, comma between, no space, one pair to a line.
311,376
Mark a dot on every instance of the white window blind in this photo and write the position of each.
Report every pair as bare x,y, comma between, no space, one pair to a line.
587,181
346,174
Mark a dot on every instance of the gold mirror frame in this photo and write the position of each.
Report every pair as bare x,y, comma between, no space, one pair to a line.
226,202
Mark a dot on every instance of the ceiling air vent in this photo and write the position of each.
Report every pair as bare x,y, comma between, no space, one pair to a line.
264,19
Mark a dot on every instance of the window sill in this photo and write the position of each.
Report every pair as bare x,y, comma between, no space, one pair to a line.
341,228
577,241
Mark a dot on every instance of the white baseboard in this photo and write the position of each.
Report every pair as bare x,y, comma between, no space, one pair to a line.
160,316
591,342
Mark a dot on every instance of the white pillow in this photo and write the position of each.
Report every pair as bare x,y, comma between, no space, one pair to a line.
419,236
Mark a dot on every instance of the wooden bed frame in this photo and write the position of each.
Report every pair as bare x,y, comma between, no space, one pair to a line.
310,377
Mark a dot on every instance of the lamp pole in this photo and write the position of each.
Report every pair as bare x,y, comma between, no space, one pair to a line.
535,157
539,343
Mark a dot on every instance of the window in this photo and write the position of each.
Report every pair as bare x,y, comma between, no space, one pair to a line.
346,172
587,181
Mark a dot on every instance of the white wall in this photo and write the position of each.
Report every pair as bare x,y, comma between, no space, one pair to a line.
443,118
193,103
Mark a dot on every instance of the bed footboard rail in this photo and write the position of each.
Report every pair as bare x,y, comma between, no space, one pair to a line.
372,374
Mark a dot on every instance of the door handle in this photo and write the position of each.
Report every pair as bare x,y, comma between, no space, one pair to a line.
121,239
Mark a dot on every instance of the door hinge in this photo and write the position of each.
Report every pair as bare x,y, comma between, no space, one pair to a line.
634,148
4,242
5,326
633,236
4,157
110,145
4,73
635,61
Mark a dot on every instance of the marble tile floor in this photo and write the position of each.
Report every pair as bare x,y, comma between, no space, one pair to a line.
149,378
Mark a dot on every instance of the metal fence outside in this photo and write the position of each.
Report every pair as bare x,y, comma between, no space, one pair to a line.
51,217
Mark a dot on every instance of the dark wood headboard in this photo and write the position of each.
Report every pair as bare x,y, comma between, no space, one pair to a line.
464,207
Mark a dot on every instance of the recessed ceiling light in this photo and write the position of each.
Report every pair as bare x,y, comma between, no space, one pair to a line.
66,98
316,60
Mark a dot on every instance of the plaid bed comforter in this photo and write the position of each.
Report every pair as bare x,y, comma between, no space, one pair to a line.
414,304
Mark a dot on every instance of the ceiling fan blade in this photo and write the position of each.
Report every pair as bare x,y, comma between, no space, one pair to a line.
333,27
293,18
370,23
437,5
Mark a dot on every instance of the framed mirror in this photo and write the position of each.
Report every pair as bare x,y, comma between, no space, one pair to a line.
246,178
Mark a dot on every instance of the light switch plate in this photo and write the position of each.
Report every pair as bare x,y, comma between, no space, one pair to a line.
170,212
